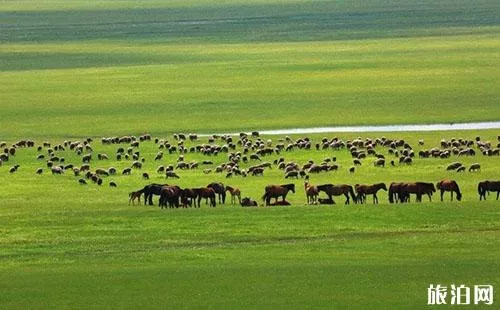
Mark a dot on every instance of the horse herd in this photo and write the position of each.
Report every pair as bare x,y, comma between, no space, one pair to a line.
173,196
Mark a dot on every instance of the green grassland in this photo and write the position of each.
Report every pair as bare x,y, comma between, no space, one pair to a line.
76,69
70,246
67,70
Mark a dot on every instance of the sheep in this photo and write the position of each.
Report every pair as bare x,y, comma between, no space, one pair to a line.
171,174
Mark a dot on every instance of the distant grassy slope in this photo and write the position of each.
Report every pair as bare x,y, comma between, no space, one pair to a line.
102,88
239,21
111,67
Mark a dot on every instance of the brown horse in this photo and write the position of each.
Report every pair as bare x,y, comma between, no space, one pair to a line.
135,195
488,186
188,195
276,191
368,189
449,186
235,192
417,188
337,190
312,193
248,202
205,192
170,195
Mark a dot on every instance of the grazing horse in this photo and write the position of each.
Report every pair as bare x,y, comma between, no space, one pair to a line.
395,192
488,186
276,191
220,190
369,189
417,188
235,192
135,195
150,190
311,193
449,186
337,190
205,192
169,195
188,195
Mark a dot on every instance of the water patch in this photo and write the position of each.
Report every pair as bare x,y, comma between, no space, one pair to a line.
384,128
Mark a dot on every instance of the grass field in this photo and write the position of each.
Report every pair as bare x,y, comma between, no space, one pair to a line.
94,249
76,69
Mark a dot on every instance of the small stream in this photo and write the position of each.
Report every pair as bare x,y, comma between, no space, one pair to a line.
384,128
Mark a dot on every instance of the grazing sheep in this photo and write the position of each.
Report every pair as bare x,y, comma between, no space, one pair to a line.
145,176
39,171
352,169
137,164
112,170
380,162
82,182
453,166
100,171
461,169
475,167
112,184
57,170
102,156
171,174
292,174
127,171
356,162
86,158
159,156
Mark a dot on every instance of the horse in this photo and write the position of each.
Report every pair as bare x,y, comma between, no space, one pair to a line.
325,201
205,192
486,187
235,192
150,190
220,190
395,192
337,190
169,195
311,193
449,186
369,189
276,191
135,195
248,202
188,195
280,203
417,188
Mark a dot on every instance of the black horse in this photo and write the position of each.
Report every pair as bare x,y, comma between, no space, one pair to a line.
220,190
150,190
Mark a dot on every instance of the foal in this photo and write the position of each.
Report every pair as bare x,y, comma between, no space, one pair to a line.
235,192
133,196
